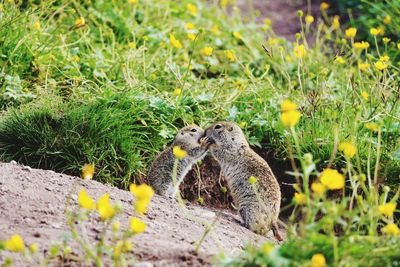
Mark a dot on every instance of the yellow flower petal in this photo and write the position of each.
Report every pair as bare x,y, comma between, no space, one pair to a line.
137,226
85,201
332,179
15,244
178,152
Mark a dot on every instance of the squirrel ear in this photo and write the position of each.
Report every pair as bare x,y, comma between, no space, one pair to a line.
230,129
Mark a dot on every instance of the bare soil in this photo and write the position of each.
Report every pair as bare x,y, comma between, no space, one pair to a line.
33,202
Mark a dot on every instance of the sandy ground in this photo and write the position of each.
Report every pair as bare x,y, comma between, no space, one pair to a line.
32,203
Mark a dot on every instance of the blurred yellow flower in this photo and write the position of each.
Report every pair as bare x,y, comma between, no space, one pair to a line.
348,149
80,22
380,65
384,58
299,51
340,60
385,40
192,9
105,209
137,226
267,22
318,188
142,191
364,95
318,260
290,118
375,31
230,55
175,42
15,244
309,19
351,32
179,153
242,124
33,248
36,26
387,209
115,226
288,105
177,92
332,179
324,6
336,22
398,45
272,41
88,171
361,45
391,229
252,180
267,248
299,198
237,35
364,66
387,19
1,7
372,126
191,36
132,45
190,26
206,51
223,3
141,206
133,1
215,30
85,201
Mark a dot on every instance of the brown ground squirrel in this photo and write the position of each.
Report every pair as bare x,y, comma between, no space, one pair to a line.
160,174
259,203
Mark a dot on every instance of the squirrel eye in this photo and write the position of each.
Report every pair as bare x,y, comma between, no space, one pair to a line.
193,130
218,126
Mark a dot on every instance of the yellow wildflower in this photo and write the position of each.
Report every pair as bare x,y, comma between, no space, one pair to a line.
105,209
290,118
15,244
1,7
324,6
206,51
332,179
115,226
272,41
391,229
141,206
230,55
288,105
192,9
348,149
267,248
133,1
364,66
351,32
387,209
398,45
242,124
318,260
384,58
364,95
372,126
380,65
387,19
299,198
375,31
177,92
340,60
361,45
385,40
309,19
215,30
268,22
175,42
88,171
85,201
36,25
132,45
190,26
318,188
336,23
191,36
142,191
33,248
299,51
252,180
237,35
137,226
223,3
178,152
80,22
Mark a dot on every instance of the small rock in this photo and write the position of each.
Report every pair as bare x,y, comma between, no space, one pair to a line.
13,162
143,264
26,168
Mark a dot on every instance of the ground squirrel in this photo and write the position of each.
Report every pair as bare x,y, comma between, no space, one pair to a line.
160,173
259,203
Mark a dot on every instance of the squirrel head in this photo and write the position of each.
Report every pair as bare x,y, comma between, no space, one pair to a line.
189,136
226,136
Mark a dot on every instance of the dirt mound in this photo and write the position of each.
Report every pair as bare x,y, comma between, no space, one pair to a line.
32,204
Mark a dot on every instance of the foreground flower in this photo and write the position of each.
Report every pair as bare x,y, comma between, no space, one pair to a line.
177,92
290,118
348,149
384,58
309,19
372,126
288,105
336,23
364,66
206,51
380,65
237,35
332,179
391,229
142,191
361,45
299,51
88,171
340,60
85,201
351,32
192,9
15,244
175,42
364,95
105,209
80,22
179,153
191,36
230,55
387,19
375,31
190,26
318,260
252,180
387,209
137,226
267,248
300,198
318,188
324,6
